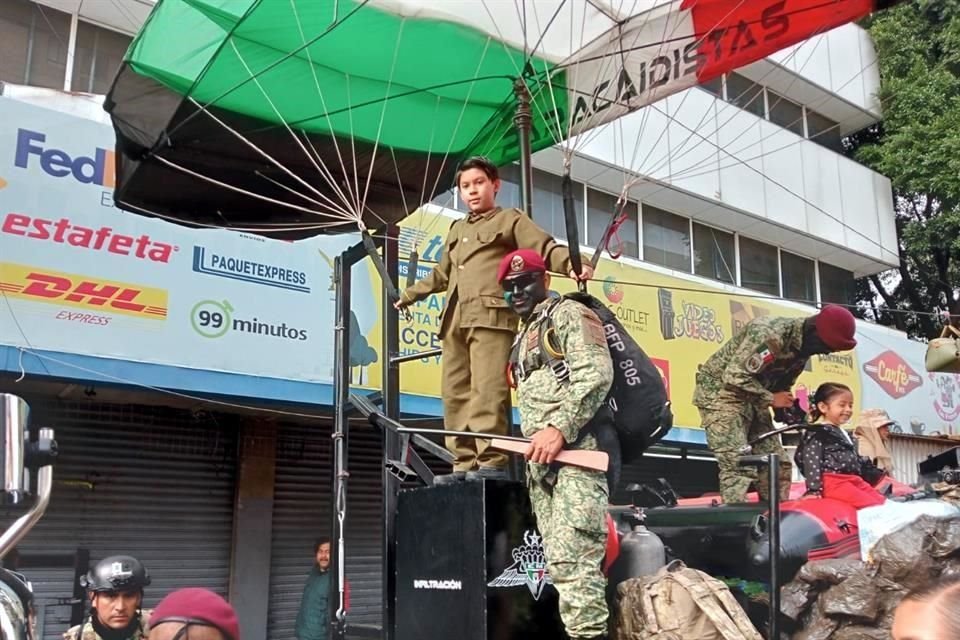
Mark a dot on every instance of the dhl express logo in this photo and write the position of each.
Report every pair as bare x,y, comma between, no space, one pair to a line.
34,150
53,287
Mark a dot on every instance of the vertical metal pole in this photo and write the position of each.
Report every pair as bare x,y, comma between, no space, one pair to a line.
774,520
341,389
391,441
71,52
522,119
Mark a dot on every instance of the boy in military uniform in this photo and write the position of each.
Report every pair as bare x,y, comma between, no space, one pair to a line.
476,325
752,372
115,585
555,405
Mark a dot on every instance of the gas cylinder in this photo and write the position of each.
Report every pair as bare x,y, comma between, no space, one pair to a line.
641,551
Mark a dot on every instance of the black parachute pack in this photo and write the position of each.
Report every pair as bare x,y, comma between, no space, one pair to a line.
638,397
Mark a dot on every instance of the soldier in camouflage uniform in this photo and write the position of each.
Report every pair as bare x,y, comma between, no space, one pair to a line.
115,586
753,372
569,502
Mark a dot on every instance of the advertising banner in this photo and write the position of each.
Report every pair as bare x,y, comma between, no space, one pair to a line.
80,276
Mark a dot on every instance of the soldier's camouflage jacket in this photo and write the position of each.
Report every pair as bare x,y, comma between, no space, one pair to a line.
88,633
762,359
542,399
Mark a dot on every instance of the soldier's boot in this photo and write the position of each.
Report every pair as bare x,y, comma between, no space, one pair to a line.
449,478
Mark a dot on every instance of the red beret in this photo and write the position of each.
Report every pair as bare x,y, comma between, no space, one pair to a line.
520,261
836,326
197,604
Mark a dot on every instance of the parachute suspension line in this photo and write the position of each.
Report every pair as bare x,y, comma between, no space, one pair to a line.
426,166
666,160
780,185
205,108
559,136
591,133
271,160
396,168
456,128
446,155
316,81
728,105
671,156
702,163
646,116
383,115
296,138
258,196
699,168
276,227
353,153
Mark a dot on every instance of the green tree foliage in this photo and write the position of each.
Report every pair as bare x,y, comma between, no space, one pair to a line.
918,146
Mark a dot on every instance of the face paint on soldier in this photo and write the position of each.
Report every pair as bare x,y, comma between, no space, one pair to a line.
116,609
524,291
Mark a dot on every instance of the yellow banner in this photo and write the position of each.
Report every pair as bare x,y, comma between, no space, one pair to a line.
38,284
678,322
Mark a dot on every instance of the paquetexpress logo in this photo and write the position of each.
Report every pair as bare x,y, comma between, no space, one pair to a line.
612,290
217,318
213,263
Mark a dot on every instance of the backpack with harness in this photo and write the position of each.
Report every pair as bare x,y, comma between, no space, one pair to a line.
679,603
637,398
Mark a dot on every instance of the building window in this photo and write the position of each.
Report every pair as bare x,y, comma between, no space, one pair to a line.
745,94
448,199
759,268
799,279
600,209
786,113
824,131
509,194
548,203
666,239
33,44
714,86
713,253
98,57
836,284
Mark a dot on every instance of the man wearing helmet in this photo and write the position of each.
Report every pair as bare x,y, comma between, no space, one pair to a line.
115,586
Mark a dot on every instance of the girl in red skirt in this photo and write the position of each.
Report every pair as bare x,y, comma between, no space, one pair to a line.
827,457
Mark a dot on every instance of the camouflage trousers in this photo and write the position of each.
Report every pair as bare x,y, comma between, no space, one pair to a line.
731,423
571,517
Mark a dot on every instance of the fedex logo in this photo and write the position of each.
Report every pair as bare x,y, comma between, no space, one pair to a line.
98,169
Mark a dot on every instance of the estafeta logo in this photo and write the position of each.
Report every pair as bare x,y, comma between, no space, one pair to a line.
37,284
32,149
893,374
63,231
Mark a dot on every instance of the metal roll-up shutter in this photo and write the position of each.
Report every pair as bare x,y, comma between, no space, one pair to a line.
152,482
302,512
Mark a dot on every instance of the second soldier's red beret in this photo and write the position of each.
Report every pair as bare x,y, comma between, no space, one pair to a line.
520,261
